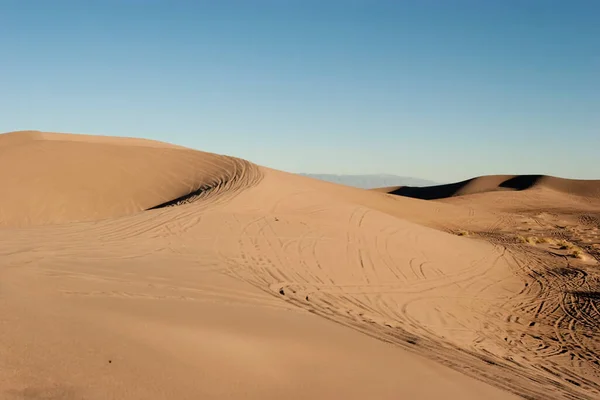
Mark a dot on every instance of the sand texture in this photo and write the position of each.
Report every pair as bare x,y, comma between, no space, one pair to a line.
133,269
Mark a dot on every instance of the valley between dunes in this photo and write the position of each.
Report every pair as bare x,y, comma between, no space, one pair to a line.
133,269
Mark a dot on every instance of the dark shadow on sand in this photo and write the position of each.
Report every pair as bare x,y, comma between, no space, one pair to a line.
587,295
521,182
180,200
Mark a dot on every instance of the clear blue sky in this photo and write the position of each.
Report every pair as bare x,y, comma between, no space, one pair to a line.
441,90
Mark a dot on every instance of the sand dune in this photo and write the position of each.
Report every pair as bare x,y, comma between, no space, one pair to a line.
493,183
56,178
157,272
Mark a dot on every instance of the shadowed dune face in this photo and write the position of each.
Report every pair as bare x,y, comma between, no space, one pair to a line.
521,182
494,183
58,178
192,275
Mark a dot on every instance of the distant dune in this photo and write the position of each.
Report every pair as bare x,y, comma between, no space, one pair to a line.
371,181
493,183
134,269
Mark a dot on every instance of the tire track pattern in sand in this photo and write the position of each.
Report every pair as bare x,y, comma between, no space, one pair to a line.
235,174
542,313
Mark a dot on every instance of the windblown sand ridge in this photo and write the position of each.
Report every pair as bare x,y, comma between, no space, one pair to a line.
273,285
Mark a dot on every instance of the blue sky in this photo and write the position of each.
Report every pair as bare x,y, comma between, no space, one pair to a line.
441,90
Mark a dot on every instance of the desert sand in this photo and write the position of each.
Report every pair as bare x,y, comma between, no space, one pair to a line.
133,269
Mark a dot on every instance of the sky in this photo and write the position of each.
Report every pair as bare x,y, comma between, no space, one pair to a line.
441,90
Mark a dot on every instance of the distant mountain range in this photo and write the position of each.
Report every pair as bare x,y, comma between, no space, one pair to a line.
371,181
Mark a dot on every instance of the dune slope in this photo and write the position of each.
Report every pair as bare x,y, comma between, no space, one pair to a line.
275,285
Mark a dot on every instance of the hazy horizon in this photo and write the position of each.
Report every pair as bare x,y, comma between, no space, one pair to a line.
372,181
426,89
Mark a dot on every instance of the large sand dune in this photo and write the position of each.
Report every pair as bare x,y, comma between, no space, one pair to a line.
139,270
55,178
